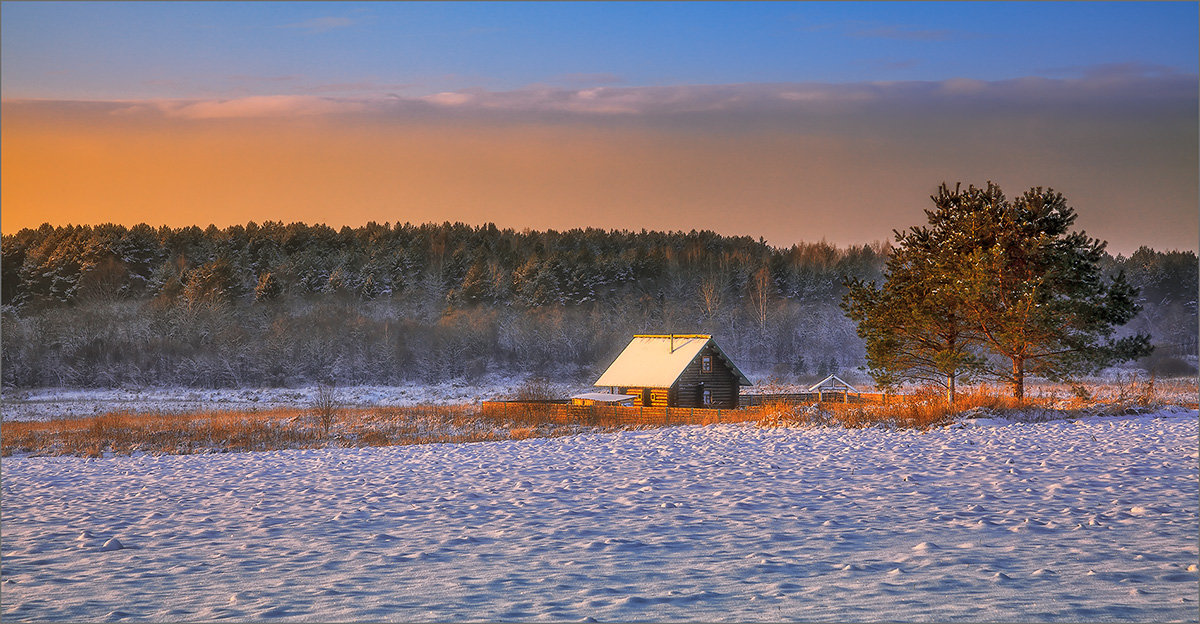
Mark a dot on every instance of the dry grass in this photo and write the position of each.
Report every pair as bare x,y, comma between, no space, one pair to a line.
220,432
209,432
1123,391
926,409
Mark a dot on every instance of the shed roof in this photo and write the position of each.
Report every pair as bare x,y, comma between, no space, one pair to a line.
832,382
604,397
657,361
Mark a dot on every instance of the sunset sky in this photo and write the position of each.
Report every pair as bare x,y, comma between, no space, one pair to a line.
790,121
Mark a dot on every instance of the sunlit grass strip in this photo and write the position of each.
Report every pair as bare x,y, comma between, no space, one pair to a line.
288,428
231,431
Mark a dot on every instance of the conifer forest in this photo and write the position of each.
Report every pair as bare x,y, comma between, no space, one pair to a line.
283,305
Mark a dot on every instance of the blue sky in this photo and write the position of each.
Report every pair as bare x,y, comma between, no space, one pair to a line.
82,50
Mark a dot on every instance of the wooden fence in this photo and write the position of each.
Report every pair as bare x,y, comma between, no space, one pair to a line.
613,415
793,398
754,407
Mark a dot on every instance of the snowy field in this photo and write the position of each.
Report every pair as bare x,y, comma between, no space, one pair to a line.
45,403
1085,520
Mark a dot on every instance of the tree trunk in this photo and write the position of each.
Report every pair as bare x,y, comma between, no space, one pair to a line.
1018,378
950,389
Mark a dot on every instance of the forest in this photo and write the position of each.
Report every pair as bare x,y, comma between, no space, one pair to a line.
285,305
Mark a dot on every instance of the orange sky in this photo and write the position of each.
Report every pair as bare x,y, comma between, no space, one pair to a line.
785,182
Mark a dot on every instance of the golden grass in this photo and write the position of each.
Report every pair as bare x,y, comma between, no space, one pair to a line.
231,431
926,409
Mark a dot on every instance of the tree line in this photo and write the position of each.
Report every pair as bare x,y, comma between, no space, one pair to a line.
282,305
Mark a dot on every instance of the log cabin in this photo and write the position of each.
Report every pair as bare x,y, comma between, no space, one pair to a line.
675,370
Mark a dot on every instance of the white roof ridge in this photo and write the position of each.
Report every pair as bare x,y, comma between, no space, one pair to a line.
816,386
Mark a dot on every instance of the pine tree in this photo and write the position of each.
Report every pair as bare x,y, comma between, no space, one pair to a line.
267,289
989,276
1033,288
474,286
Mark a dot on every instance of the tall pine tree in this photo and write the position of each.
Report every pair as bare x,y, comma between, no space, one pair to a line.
991,280
916,325
1033,288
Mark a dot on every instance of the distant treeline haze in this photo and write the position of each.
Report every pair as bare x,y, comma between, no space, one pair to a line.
282,305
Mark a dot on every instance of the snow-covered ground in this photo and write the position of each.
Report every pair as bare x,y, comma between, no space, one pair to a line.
1094,519
45,403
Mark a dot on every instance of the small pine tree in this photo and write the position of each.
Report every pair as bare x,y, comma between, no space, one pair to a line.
268,288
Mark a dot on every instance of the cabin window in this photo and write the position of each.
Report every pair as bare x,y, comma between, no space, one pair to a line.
706,397
706,363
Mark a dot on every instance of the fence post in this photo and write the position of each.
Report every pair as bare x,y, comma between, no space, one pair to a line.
667,416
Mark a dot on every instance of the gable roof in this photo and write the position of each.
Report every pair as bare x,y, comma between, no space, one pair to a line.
832,382
657,361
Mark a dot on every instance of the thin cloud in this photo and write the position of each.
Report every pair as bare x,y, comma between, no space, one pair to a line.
250,79
894,64
807,98
804,103
362,86
321,24
905,33
1105,71
598,78
277,106
168,83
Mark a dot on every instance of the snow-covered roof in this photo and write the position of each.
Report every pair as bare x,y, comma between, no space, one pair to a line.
657,361
832,382
604,397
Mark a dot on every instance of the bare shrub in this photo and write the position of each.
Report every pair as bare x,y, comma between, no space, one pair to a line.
535,389
1081,392
1132,390
325,406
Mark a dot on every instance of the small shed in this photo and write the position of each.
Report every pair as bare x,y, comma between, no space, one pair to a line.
602,398
834,385
675,370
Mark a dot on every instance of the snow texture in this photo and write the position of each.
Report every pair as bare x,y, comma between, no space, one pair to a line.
1093,519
